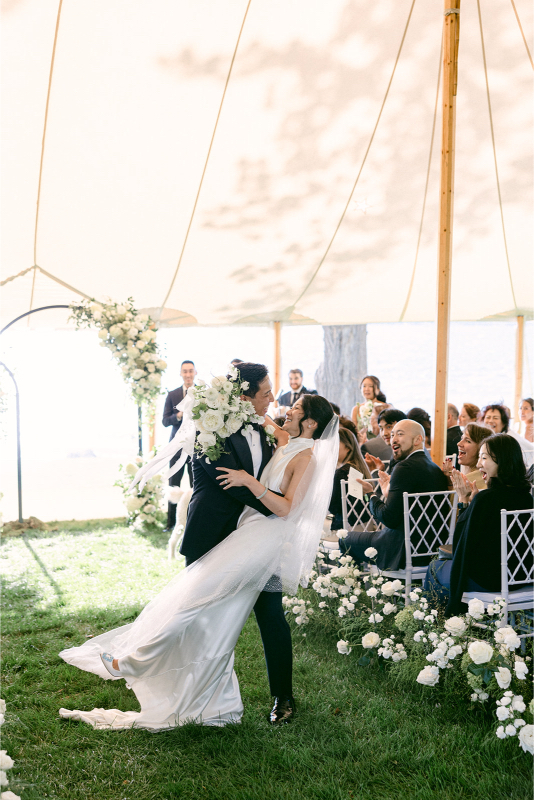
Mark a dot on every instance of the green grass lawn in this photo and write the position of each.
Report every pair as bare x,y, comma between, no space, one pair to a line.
357,734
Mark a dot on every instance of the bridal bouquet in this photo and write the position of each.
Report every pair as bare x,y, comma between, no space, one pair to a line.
218,412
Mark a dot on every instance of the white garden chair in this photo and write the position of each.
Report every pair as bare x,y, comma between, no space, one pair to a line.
429,520
517,565
350,507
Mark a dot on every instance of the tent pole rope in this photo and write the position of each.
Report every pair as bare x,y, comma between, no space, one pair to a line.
338,226
408,296
32,293
207,160
44,136
495,153
522,34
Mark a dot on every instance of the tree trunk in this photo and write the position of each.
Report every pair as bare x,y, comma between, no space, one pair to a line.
344,365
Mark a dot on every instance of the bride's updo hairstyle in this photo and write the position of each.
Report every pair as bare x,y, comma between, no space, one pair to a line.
317,408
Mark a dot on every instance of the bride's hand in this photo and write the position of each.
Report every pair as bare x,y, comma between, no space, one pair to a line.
233,477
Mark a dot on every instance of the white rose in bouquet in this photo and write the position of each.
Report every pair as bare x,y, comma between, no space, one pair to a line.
154,379
141,318
480,652
115,330
227,386
218,382
428,676
211,396
456,626
137,374
343,647
503,677
476,608
103,334
149,508
120,311
521,670
131,469
207,439
526,738
161,364
133,503
146,336
371,639
233,423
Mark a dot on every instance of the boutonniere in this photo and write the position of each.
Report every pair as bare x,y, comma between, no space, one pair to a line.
269,433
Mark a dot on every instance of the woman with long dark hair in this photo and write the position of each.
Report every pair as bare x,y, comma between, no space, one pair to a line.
476,561
361,413
349,456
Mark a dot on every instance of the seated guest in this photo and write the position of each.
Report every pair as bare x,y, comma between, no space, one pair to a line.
377,446
423,418
288,399
454,432
349,456
336,408
497,418
468,413
476,561
414,472
386,422
468,453
526,415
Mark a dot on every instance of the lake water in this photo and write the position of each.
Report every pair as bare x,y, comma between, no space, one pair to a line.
78,422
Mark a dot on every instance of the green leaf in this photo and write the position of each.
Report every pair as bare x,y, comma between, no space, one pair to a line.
475,670
364,661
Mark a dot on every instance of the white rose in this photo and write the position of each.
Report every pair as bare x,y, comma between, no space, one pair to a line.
343,647
455,625
518,703
418,636
501,633
342,611
142,317
397,584
9,795
149,508
227,386
207,439
133,503
428,676
6,762
146,336
480,652
526,738
370,552
372,592
418,615
500,730
503,677
120,311
2,706
371,639
512,640
375,617
4,780
389,608
454,651
130,469
269,429
521,670
519,722
414,597
219,381
161,364
137,374
510,730
502,713
233,423
396,657
322,604
103,334
245,385
476,608
388,589
132,333
154,378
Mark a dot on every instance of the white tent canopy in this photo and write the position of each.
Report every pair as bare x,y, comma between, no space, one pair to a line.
135,93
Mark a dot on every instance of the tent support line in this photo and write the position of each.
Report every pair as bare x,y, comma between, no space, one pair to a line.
495,153
206,162
409,295
520,337
451,40
522,34
19,461
338,226
277,356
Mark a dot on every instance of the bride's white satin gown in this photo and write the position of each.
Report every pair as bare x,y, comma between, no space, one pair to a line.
178,655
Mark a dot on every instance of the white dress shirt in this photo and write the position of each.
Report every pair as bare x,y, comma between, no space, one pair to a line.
254,442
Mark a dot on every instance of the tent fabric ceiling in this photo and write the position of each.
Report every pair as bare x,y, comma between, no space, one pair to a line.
135,93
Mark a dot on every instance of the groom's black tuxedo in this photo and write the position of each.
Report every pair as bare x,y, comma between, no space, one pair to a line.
212,515
213,512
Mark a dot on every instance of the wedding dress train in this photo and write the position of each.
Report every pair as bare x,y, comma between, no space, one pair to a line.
178,655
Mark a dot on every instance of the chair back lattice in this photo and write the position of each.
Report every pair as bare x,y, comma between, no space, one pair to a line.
429,520
356,513
517,547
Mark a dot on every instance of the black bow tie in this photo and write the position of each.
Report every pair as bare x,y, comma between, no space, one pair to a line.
256,426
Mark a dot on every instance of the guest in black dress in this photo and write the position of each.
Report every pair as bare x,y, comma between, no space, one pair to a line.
349,456
476,561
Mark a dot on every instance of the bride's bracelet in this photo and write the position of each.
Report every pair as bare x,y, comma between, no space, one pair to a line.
262,494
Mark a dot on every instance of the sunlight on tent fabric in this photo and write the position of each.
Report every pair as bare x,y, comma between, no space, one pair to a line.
135,94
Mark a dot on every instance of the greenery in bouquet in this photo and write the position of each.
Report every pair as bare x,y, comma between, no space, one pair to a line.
131,338
219,411
146,508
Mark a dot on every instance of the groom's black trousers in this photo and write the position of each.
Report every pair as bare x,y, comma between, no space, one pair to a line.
276,637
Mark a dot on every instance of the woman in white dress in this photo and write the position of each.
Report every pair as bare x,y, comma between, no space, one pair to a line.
178,655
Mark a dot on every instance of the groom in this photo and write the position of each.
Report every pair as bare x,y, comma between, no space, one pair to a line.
214,513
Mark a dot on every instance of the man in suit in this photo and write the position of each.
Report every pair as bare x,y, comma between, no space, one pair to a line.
297,389
173,419
454,432
414,472
214,513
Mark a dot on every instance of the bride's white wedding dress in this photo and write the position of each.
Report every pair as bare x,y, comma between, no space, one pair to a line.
178,655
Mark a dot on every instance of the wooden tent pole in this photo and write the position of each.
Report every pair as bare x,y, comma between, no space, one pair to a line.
451,37
277,356
520,333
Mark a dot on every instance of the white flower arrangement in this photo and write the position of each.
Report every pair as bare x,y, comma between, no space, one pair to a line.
219,412
6,762
364,416
131,338
145,508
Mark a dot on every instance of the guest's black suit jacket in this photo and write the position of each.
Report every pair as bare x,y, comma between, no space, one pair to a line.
213,512
454,435
285,399
169,411
417,473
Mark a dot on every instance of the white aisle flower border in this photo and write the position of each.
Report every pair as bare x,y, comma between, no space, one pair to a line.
372,620
146,507
131,338
6,762
218,412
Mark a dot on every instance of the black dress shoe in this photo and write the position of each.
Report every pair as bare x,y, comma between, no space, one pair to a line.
283,711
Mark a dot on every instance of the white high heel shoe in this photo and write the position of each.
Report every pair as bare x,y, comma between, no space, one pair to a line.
107,660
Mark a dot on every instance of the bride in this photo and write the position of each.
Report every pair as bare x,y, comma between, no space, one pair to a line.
178,655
